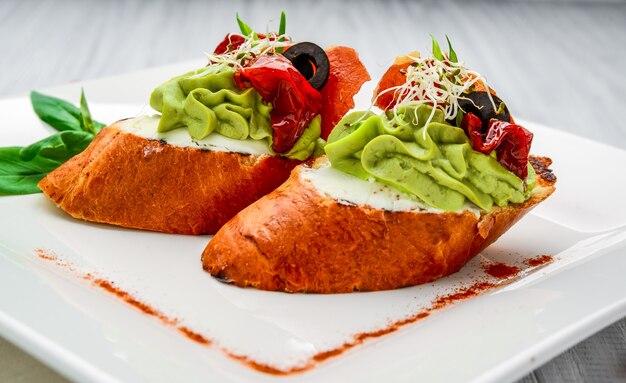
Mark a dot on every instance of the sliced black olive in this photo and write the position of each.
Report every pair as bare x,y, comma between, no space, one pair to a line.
478,103
311,61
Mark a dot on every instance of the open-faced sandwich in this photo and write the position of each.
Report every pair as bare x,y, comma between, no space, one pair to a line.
227,134
402,197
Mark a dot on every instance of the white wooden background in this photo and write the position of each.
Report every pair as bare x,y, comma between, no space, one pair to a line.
560,63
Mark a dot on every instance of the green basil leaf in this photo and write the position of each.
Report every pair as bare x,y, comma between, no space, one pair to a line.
18,184
452,54
59,114
436,49
62,115
98,126
21,177
21,168
245,28
59,147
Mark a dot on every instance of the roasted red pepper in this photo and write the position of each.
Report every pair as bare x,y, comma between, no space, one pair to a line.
510,141
294,101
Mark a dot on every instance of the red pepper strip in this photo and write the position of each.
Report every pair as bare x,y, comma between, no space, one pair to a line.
294,101
472,125
510,141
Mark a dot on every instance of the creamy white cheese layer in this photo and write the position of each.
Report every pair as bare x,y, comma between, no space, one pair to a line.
146,126
340,186
350,190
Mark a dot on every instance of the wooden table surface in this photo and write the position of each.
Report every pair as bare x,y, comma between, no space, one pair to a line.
559,63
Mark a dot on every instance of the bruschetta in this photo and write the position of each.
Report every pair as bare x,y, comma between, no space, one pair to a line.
225,135
402,197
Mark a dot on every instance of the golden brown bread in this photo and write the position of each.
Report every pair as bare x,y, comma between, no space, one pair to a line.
296,240
127,180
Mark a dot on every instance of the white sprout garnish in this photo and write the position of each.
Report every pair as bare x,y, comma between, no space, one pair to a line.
436,81
252,47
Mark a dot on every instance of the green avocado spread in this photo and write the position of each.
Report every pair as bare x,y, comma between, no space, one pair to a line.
207,101
434,163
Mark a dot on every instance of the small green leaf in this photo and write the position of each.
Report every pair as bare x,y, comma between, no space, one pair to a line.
245,28
98,126
87,121
452,54
436,49
21,168
59,114
283,23
281,30
18,184
501,107
21,177
59,147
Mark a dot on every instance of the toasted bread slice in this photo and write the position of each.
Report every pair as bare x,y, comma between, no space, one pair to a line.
297,239
129,180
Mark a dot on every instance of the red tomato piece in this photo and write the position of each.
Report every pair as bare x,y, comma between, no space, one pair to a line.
510,141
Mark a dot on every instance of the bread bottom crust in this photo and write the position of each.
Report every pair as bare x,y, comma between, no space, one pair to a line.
131,181
296,240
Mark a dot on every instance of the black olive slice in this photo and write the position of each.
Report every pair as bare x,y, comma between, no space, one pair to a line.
478,103
311,61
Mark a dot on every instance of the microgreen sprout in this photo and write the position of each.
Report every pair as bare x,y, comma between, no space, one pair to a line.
253,45
439,81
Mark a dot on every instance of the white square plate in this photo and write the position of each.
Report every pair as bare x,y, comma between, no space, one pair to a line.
49,309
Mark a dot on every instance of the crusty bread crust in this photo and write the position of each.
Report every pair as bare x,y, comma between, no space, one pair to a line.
296,240
131,181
